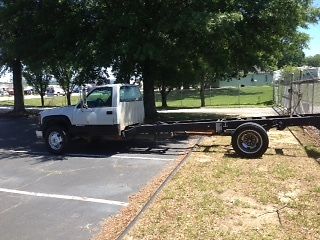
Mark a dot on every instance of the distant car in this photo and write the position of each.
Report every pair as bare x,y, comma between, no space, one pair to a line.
28,91
76,89
3,93
11,92
55,90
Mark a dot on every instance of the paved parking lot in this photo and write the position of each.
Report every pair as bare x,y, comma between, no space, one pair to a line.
68,197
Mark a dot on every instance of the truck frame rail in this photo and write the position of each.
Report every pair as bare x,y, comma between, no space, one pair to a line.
249,137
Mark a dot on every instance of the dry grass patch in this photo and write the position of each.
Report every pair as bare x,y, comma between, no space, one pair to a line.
219,196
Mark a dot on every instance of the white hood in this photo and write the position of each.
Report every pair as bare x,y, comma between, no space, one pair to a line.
65,111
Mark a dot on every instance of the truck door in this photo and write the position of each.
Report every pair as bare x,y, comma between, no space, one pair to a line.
98,112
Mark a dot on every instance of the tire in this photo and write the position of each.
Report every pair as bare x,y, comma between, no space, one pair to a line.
250,140
56,140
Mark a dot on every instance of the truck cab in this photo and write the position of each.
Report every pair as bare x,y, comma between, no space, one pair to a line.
105,112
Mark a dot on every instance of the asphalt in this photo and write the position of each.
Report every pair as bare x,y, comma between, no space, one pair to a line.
43,196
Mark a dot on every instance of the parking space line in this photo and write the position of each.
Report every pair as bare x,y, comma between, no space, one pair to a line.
96,155
143,158
66,197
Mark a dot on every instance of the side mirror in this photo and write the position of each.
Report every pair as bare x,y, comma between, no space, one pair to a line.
82,105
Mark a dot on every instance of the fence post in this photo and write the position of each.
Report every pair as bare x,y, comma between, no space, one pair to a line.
312,101
180,90
274,94
291,95
279,100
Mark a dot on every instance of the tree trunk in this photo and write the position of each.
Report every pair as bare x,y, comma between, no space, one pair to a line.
41,93
42,99
164,97
148,92
17,86
202,97
68,94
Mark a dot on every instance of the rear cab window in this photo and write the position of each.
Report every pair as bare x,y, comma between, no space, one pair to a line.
130,94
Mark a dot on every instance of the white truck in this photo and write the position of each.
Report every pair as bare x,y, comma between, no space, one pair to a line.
116,111
104,113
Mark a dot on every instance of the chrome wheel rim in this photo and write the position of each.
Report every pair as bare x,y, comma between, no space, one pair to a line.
55,140
249,141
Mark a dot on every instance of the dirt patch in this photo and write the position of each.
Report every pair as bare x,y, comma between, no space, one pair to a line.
247,213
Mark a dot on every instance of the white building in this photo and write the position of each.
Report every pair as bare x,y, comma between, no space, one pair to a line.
6,81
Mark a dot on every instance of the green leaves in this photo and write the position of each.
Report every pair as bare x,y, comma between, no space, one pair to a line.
313,61
227,36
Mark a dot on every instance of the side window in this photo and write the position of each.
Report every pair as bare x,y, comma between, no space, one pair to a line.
100,97
130,94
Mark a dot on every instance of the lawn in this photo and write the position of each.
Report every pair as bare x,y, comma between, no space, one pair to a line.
56,101
249,96
245,96
217,195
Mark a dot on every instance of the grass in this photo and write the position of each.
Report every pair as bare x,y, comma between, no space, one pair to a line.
247,96
56,101
312,151
217,195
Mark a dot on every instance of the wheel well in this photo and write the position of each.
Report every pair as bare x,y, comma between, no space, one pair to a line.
57,121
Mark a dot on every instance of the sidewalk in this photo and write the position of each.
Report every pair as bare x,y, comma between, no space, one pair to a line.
242,112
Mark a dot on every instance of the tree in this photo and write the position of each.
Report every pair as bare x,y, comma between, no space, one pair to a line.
39,80
138,36
45,32
12,24
68,75
313,61
292,54
290,73
229,36
169,77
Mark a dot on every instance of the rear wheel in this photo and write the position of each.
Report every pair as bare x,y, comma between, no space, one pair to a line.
56,140
250,140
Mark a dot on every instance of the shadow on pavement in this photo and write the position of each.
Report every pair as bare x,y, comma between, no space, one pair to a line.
17,138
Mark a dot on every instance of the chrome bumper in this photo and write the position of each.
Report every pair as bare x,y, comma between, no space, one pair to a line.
39,134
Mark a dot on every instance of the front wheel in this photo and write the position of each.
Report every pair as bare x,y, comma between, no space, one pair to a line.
250,140
56,140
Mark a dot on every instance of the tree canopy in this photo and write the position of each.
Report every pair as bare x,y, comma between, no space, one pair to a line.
313,61
139,37
229,36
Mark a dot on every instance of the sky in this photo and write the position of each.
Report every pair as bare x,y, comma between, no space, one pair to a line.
314,33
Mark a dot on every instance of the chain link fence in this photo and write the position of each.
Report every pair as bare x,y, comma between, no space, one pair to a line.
297,96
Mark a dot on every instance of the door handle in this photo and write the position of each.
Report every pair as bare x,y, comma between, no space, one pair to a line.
109,112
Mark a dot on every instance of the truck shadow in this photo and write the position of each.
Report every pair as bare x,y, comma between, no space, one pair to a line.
138,146
173,147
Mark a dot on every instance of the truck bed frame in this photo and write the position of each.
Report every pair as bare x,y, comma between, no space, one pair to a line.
249,137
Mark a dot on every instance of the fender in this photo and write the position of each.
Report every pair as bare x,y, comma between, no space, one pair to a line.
56,120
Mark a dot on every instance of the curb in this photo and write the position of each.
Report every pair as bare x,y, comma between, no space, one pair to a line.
157,192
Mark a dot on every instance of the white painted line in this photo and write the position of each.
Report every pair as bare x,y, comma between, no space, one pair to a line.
18,151
143,158
66,197
97,155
